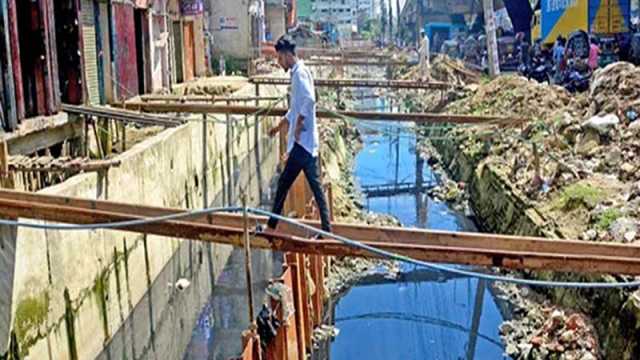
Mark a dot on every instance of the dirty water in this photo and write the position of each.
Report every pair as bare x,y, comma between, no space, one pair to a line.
218,331
422,314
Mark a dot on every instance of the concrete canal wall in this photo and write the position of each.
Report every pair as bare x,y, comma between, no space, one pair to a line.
500,208
66,293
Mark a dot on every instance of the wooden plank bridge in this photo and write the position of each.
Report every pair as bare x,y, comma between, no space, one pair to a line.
392,189
513,252
359,83
202,108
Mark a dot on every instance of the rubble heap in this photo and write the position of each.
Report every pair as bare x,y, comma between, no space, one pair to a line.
217,86
546,332
266,66
615,90
576,163
514,95
579,154
445,69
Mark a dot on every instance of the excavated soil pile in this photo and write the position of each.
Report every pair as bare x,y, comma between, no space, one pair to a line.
545,332
581,156
514,95
222,85
587,183
445,69
615,89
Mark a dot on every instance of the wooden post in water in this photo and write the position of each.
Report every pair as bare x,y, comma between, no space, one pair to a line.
475,322
257,126
205,185
247,258
229,154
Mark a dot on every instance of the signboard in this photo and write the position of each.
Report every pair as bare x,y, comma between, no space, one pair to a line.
562,17
191,7
229,23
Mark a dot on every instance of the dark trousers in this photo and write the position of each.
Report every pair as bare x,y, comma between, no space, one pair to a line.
301,160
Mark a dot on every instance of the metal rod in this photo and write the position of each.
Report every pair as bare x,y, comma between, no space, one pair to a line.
205,168
247,256
382,62
98,143
359,83
229,152
326,114
201,98
472,249
124,137
86,166
121,115
86,135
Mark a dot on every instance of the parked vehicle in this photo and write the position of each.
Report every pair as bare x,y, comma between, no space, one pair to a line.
540,69
609,51
634,51
554,18
576,74
508,53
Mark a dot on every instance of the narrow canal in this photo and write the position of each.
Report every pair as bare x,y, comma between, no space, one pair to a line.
420,314
424,314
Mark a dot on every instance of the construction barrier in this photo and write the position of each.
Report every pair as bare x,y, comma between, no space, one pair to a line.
301,310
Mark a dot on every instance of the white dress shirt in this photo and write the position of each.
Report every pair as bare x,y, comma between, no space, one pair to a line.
303,102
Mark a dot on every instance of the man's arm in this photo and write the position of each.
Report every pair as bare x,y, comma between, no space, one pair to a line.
282,126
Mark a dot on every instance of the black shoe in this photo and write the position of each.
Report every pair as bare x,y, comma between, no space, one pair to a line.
259,229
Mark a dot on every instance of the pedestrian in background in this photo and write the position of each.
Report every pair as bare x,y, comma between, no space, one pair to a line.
594,53
558,58
424,55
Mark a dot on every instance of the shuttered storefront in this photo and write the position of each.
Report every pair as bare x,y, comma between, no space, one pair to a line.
88,25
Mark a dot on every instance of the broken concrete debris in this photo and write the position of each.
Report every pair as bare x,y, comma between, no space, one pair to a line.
575,164
614,90
545,332
575,142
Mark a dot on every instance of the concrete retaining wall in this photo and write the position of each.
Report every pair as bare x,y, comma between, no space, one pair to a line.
500,208
72,291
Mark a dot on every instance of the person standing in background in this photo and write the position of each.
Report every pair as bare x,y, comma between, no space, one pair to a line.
594,54
424,56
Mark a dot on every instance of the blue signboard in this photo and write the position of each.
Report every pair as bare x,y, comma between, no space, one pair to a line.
191,7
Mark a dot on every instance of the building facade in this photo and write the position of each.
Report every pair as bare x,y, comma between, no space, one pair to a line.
341,13
93,52
232,25
275,19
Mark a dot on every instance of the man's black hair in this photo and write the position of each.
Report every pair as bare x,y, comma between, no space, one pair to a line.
286,44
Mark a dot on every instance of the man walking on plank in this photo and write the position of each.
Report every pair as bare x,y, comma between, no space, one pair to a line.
303,139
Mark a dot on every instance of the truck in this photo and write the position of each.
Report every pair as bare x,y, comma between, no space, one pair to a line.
562,17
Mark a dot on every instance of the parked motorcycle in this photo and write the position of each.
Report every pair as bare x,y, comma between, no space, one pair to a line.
634,52
540,70
577,76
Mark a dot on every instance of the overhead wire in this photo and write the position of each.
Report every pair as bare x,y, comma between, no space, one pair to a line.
308,228
313,230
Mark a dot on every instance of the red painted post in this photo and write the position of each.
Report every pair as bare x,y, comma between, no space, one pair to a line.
292,262
53,60
289,323
47,68
15,59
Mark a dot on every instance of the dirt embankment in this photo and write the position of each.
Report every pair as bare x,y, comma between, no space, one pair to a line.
341,142
576,158
575,161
